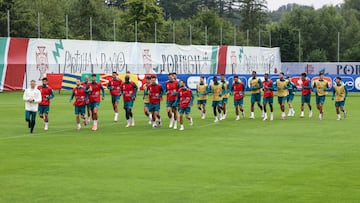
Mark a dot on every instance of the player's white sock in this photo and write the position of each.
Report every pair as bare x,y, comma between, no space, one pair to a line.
181,127
46,126
262,114
216,119
265,117
283,115
252,115
338,117
175,124
116,116
191,121
237,117
78,126
302,114
289,114
171,123
132,121
310,114
95,122
127,123
272,116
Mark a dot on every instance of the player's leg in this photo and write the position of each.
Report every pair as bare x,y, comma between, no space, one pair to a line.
78,121
223,106
258,100
214,105
264,108
94,111
89,114
46,117
204,109
115,103
27,118
32,121
175,116
181,115
187,115
252,115
236,105
132,119
271,105
147,112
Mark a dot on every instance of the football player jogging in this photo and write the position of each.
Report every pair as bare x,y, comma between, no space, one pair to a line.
114,86
217,90
290,97
255,86
32,98
268,96
185,101
237,87
171,87
340,94
201,93
147,99
44,106
321,87
80,95
282,86
85,84
225,96
305,94
129,89
155,92
94,89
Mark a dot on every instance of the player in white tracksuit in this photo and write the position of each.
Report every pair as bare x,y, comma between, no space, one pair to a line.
32,98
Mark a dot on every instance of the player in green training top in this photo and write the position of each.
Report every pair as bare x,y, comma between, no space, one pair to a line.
340,94
292,89
255,86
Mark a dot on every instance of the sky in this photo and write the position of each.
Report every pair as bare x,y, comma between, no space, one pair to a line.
275,4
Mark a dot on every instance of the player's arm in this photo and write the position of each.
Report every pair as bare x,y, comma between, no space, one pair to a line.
102,91
346,93
196,90
192,99
208,89
72,96
38,98
223,90
260,84
135,91
109,86
52,95
25,96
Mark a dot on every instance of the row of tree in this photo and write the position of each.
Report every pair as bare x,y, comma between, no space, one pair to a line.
302,33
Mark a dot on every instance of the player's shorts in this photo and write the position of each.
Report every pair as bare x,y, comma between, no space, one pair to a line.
115,99
225,100
146,105
306,99
320,99
154,107
44,109
216,103
290,98
171,104
268,100
93,105
128,104
282,100
80,110
201,102
256,98
184,110
239,102
340,104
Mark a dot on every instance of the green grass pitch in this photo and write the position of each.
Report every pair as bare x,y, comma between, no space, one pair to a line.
296,160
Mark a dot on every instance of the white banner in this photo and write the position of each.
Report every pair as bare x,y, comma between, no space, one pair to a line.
345,68
75,56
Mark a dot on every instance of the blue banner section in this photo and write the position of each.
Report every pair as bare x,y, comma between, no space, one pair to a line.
352,82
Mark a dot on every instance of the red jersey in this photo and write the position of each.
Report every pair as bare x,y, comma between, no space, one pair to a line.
238,89
128,90
45,94
268,92
155,93
306,83
171,87
115,87
80,96
94,94
185,96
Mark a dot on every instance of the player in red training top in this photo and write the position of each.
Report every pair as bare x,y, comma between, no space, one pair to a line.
185,100
85,84
238,89
305,95
81,97
171,86
44,106
94,89
268,87
129,89
155,92
114,86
